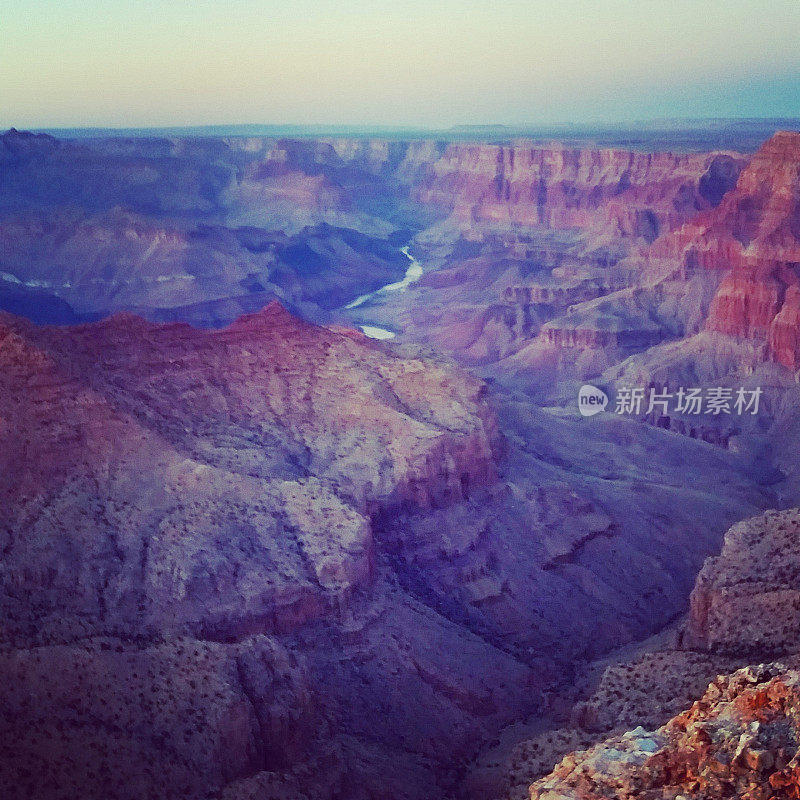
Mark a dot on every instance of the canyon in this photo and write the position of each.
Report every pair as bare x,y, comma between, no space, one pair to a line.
249,551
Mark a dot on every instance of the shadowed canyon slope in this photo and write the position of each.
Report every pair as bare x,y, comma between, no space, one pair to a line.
169,492
99,415
200,229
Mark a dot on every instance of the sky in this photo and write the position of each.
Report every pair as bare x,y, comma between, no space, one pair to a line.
140,63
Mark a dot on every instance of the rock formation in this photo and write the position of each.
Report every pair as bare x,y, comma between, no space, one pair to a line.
271,416
199,230
572,229
98,264
645,691
339,525
624,193
784,330
728,265
746,599
754,225
753,236
177,506
738,740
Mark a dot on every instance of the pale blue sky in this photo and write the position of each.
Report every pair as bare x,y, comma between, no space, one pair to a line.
398,62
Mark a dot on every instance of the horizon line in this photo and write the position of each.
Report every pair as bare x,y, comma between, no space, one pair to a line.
344,128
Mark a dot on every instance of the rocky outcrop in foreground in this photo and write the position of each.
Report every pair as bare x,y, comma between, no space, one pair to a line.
739,740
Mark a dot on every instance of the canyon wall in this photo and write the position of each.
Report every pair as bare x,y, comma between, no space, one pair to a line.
746,599
192,598
304,526
733,270
576,228
616,192
201,230
753,237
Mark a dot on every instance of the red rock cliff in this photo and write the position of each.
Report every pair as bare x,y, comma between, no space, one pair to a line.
753,235
757,228
629,194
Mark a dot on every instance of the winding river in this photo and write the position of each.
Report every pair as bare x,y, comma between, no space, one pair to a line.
413,274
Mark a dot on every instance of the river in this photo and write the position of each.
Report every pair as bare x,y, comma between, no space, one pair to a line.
413,274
